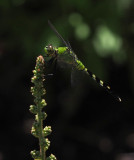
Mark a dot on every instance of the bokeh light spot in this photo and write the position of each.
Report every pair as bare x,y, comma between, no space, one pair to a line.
82,31
106,42
75,19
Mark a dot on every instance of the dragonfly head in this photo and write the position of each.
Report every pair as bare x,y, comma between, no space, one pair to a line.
50,50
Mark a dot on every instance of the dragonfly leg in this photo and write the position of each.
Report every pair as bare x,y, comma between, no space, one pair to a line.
55,66
54,61
48,75
49,63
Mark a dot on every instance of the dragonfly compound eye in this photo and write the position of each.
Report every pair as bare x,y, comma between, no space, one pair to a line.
49,50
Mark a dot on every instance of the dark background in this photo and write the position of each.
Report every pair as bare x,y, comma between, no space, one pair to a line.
87,122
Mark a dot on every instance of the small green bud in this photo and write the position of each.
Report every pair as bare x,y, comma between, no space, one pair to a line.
36,125
51,157
33,79
34,72
32,89
43,103
35,154
33,109
46,143
36,117
44,92
43,115
34,132
35,129
47,131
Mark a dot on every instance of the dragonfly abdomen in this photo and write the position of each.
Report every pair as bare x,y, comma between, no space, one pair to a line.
99,81
102,84
79,65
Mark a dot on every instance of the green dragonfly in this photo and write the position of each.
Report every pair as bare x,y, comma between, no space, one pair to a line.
67,56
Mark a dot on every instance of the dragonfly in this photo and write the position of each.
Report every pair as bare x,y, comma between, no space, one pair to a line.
68,56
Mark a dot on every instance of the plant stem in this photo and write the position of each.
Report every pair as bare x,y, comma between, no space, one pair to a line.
38,91
41,137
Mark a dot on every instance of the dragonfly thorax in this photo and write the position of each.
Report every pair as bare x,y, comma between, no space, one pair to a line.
50,51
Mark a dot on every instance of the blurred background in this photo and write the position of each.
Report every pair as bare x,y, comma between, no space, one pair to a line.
87,122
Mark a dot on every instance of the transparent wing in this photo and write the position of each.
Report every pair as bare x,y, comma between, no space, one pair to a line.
77,77
67,44
58,35
65,60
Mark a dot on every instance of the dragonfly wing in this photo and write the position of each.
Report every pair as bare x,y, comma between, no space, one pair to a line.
49,61
58,35
77,77
65,58
67,44
63,64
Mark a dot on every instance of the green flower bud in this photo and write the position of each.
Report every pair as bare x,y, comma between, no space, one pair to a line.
43,115
51,157
47,131
34,72
33,109
34,132
33,79
35,129
43,103
46,143
35,154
